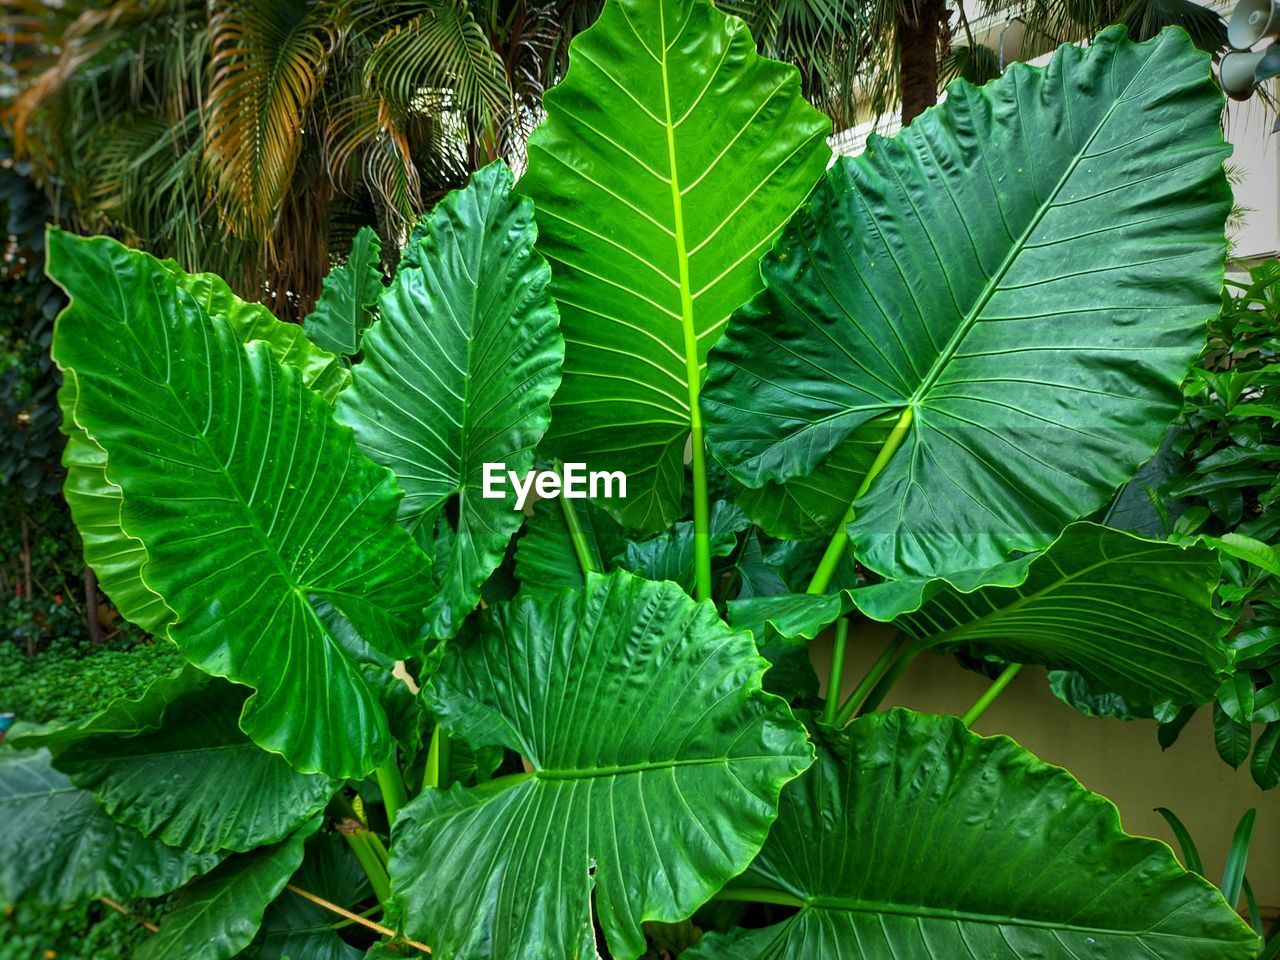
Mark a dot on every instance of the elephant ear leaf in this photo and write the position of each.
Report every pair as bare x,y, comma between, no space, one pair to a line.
1023,277
218,915
981,850
670,156
58,847
655,764
250,506
190,741
349,298
321,370
458,372
1131,615
95,501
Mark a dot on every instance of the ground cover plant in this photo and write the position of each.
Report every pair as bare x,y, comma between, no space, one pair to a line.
902,388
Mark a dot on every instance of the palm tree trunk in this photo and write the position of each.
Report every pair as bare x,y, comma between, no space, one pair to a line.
919,25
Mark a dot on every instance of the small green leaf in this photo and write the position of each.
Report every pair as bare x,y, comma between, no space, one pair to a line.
546,562
669,556
1232,738
1247,549
1265,765
349,298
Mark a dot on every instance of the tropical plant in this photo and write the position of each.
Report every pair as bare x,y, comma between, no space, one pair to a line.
411,719
1214,480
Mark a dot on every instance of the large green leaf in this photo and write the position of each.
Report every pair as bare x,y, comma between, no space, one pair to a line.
196,752
94,500
250,503
321,370
458,372
670,156
217,916
1132,616
348,302
655,763
298,929
122,716
914,839
57,846
1025,272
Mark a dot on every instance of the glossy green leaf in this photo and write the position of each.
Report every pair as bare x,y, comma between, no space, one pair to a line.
1027,270
1232,738
655,764
670,555
250,503
57,846
218,915
811,506
296,928
287,342
914,839
349,298
1265,765
196,752
546,561
95,501
458,372
670,156
1132,616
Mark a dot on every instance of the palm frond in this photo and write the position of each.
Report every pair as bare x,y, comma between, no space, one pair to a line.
268,62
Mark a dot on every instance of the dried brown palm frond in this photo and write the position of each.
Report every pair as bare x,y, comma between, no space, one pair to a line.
267,66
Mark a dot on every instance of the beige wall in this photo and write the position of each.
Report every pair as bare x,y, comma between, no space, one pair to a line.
1120,760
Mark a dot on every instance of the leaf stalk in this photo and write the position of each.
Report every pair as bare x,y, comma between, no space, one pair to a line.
840,539
989,697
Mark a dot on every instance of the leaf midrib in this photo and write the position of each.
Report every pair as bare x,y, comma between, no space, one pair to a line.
693,372
972,317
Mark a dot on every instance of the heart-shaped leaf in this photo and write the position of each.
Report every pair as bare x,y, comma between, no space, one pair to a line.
57,846
1023,276
458,372
655,762
670,156
914,839
251,505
